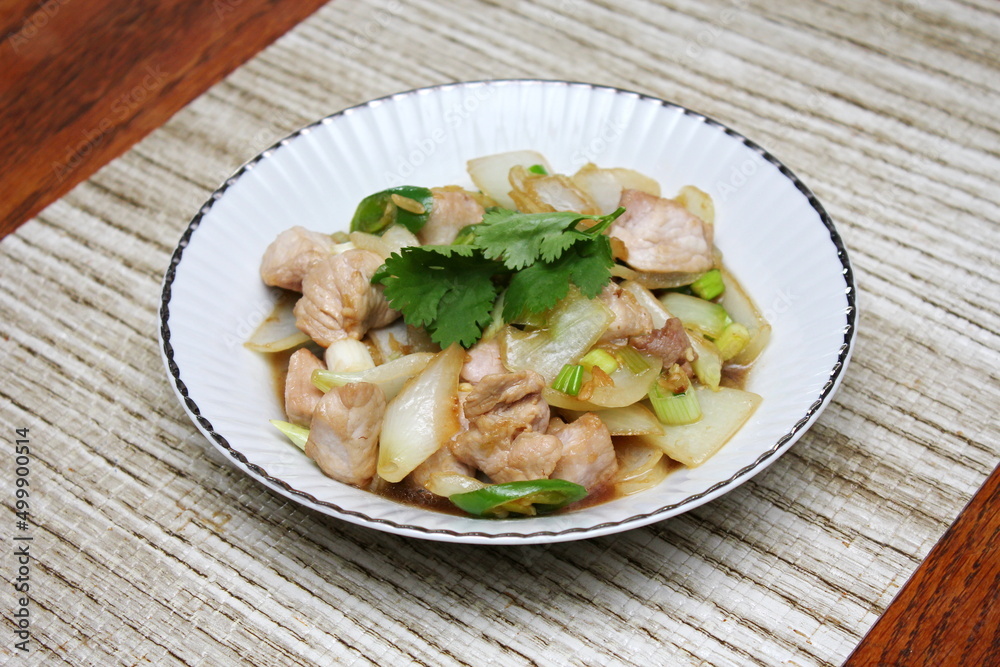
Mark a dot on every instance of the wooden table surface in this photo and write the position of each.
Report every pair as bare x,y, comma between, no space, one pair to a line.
117,119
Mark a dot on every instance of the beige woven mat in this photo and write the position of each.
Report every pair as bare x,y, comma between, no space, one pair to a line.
149,547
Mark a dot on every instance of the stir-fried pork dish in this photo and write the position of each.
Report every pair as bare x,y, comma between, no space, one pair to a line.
538,343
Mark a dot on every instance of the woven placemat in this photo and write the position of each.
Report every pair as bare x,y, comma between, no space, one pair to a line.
148,546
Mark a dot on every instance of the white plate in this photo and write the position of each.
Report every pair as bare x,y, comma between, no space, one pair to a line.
774,234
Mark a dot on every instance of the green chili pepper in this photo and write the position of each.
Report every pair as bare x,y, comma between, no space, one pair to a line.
537,496
406,205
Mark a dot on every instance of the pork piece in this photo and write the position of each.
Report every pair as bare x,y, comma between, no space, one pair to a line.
670,343
662,236
588,456
631,319
338,299
451,211
443,460
343,435
290,256
301,395
506,413
482,359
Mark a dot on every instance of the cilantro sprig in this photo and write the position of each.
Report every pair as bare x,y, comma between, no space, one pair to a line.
529,257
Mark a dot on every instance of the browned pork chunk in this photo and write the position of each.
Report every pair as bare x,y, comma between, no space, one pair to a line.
338,300
588,456
506,414
343,434
631,319
451,211
662,236
670,343
301,395
290,256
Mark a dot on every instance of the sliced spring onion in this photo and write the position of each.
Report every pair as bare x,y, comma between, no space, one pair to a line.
632,360
732,341
600,358
530,497
390,376
297,434
466,235
538,169
707,317
347,356
674,409
709,285
569,380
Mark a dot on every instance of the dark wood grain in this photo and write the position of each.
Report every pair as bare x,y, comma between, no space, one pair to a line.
82,82
948,613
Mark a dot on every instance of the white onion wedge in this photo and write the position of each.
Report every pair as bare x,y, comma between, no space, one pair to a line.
634,419
628,388
648,301
697,202
422,417
574,325
390,376
630,179
708,365
601,185
742,309
646,480
491,173
278,331
449,483
723,413
641,466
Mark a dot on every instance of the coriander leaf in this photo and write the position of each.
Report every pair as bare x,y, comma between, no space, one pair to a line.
520,239
540,286
448,290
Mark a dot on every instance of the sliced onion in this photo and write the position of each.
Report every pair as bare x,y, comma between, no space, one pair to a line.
646,480
491,173
390,376
422,417
648,301
449,483
742,309
708,365
536,193
635,457
697,202
651,280
278,331
628,389
633,180
601,185
634,419
574,325
723,413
